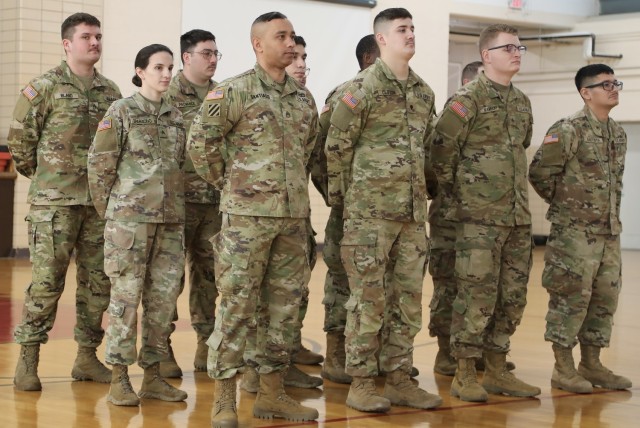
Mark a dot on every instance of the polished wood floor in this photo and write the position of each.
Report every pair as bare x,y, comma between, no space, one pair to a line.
67,403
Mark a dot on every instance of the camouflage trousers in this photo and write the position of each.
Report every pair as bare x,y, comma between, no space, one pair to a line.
385,262
582,274
442,263
492,270
251,348
202,222
54,232
145,262
336,284
257,259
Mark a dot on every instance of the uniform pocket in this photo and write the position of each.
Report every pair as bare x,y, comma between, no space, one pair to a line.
117,250
41,245
562,272
358,251
474,265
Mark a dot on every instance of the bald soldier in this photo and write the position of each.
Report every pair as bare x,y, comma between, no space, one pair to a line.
252,139
377,167
54,121
299,353
478,154
578,171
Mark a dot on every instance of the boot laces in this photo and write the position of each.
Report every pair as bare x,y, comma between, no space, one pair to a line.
469,375
368,387
226,398
125,383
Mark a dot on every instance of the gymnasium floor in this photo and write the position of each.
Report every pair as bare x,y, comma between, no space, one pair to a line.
64,402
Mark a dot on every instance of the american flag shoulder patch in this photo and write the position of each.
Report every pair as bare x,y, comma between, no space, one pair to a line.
30,92
550,138
350,100
104,124
215,94
458,108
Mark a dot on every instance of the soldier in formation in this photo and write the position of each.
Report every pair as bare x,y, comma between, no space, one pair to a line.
377,149
261,251
136,184
479,157
188,89
54,122
578,171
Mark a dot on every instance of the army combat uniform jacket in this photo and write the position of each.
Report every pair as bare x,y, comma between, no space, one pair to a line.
377,158
54,122
478,155
578,172
184,97
135,163
260,166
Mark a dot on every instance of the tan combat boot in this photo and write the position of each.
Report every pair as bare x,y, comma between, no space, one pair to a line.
511,366
121,392
465,382
200,358
592,370
250,379
565,375
224,413
364,397
273,402
401,391
299,379
154,386
445,364
169,368
305,356
498,380
26,377
333,368
88,367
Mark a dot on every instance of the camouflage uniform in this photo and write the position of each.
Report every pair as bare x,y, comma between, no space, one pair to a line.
578,171
442,262
478,154
336,284
252,139
53,124
137,185
202,220
377,152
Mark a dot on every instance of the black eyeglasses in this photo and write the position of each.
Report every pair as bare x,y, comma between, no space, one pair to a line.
607,85
511,48
208,54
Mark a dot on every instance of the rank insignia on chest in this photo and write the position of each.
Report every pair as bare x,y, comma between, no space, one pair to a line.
550,138
213,110
30,92
458,108
350,100
104,124
216,94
